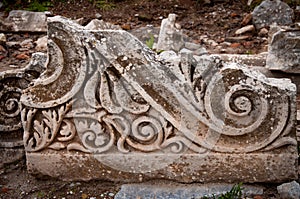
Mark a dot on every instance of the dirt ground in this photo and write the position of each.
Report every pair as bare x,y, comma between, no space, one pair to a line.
216,20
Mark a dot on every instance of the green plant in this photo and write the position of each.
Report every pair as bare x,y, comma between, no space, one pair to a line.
249,52
150,42
38,6
103,4
40,194
234,193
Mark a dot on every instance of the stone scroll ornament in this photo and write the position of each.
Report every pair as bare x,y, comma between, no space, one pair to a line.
12,82
105,108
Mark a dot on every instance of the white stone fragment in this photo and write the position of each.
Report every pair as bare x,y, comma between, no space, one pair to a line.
242,30
41,44
170,37
2,37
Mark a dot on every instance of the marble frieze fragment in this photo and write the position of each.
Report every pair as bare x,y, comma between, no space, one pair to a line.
107,109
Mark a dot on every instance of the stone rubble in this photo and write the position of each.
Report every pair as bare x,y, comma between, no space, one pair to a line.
2,38
97,24
41,44
24,21
283,51
170,37
289,190
242,30
145,34
270,12
263,32
27,44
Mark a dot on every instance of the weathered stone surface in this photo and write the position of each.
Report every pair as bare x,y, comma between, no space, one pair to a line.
284,51
269,12
170,56
249,60
167,190
97,24
192,46
295,78
12,82
8,156
24,21
41,44
263,32
170,37
289,190
236,39
145,34
106,108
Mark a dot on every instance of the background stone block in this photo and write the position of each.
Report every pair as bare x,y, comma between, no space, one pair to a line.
284,51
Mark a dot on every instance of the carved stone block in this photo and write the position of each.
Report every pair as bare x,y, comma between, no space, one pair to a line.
105,108
12,83
284,51
24,21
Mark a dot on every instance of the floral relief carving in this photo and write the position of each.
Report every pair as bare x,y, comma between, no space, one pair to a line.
122,99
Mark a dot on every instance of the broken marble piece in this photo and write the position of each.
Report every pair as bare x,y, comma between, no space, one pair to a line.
97,24
12,83
289,190
2,38
284,51
146,34
107,109
249,60
170,56
244,29
41,44
170,37
24,21
269,12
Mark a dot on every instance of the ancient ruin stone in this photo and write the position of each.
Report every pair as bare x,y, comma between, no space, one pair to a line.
269,12
284,51
97,24
107,109
249,60
10,155
24,21
167,190
289,190
41,44
146,34
170,37
12,83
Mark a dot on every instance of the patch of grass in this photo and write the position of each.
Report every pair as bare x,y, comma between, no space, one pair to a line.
234,193
40,194
38,6
31,5
249,52
103,4
150,42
